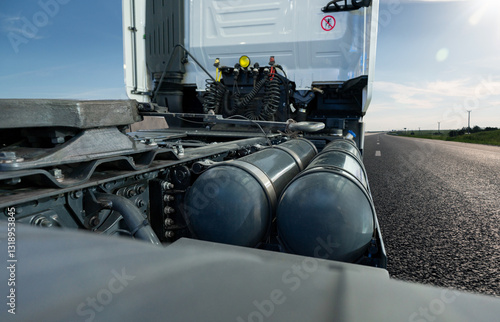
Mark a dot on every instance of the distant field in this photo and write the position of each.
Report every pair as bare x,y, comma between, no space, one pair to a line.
486,137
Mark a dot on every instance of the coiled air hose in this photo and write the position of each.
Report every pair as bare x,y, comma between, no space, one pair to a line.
214,94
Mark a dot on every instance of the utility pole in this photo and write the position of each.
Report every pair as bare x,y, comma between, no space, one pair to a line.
439,127
468,126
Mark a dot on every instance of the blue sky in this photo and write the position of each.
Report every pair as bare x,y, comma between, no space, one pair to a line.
76,53
435,59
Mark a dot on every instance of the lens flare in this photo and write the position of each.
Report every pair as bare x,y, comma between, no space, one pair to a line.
442,54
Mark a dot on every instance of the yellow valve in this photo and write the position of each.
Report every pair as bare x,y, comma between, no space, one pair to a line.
244,61
218,74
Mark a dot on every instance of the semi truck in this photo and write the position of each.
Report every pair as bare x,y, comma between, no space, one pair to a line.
252,204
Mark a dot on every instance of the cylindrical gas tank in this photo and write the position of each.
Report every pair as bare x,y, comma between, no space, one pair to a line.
343,155
233,202
327,210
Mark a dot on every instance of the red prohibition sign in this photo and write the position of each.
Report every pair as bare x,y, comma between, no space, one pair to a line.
328,23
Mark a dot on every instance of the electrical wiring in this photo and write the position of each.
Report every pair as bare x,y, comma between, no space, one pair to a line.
253,122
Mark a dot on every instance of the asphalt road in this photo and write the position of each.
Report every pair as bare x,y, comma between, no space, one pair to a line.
438,205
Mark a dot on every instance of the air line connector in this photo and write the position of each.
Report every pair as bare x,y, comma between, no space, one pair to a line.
350,135
217,63
256,68
236,70
218,73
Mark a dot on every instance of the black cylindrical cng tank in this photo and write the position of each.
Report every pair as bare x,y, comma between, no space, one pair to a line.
346,145
233,202
342,155
327,210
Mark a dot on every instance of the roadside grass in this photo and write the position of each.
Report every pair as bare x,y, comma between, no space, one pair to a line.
485,137
425,134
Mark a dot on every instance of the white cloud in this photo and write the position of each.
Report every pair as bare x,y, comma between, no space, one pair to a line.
13,24
466,92
9,18
7,23
43,72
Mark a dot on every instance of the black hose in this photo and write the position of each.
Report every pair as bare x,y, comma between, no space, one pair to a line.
166,66
138,226
214,95
272,98
245,100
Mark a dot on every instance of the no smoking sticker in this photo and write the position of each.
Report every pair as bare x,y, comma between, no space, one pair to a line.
328,23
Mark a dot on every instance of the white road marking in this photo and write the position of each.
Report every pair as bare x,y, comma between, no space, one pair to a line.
378,143
378,154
